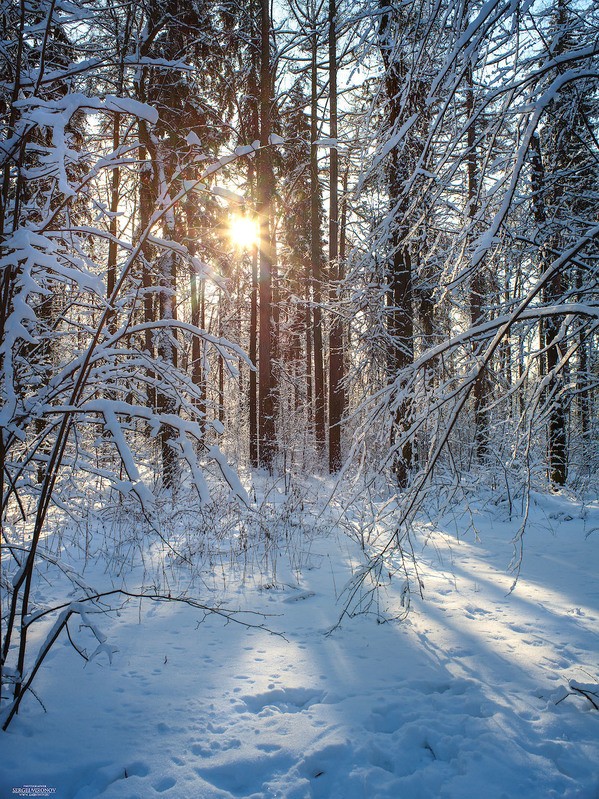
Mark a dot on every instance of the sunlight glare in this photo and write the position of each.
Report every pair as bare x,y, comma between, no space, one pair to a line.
243,232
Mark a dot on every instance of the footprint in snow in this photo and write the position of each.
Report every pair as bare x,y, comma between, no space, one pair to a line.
268,748
162,785
283,700
473,612
299,596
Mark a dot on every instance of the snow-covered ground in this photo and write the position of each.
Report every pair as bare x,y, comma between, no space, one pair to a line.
460,700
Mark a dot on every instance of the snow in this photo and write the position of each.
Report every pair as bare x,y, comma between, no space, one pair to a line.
227,194
193,139
474,694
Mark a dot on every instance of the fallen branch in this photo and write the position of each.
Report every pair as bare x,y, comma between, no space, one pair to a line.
588,690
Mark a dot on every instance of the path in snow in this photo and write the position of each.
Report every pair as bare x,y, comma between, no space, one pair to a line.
457,702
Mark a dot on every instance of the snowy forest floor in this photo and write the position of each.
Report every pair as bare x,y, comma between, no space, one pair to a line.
467,697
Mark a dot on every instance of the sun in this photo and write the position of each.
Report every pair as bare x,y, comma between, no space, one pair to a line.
243,232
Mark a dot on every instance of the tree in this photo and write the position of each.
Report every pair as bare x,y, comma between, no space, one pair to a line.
336,390
563,173
316,240
86,393
405,95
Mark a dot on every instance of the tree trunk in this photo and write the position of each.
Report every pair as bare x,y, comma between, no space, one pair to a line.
549,328
266,387
197,320
167,352
336,398
399,312
477,283
316,259
113,225
253,351
146,205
